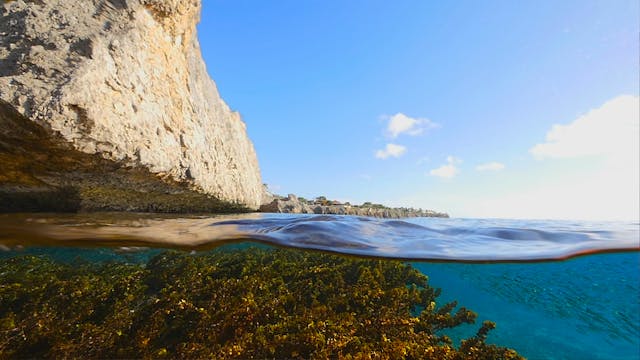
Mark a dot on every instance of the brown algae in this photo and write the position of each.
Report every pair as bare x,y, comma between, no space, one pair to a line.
240,303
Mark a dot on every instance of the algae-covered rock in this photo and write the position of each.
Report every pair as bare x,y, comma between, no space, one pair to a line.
125,79
240,304
41,172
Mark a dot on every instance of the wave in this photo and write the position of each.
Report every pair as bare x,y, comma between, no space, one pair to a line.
431,239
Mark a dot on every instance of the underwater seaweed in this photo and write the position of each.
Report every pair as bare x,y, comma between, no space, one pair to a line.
240,303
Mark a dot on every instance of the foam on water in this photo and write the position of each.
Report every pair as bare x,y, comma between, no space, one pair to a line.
418,239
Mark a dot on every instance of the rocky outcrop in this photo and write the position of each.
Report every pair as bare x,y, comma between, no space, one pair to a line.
292,205
43,172
125,79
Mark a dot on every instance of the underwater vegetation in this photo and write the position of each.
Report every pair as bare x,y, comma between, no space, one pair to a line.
240,303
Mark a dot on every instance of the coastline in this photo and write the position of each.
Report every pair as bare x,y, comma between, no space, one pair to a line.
43,173
295,205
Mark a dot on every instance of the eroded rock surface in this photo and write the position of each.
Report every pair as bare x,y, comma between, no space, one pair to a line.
125,79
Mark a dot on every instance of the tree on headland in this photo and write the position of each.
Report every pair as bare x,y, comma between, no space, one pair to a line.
373,206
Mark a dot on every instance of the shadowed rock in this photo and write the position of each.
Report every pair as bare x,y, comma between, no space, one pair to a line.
42,172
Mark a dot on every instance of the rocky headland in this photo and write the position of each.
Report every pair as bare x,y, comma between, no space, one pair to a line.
295,205
108,103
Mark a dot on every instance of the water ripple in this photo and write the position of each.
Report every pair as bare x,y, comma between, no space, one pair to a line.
442,239
474,240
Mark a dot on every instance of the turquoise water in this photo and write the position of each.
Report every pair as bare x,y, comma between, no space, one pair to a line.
585,307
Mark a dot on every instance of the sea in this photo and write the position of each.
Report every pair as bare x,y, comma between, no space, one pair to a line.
555,289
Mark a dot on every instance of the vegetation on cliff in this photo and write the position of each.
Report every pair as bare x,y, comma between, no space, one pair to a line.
322,205
251,303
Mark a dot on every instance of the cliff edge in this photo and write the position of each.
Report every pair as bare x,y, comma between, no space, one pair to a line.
125,79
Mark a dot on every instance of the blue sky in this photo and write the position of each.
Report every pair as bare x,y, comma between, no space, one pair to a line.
441,105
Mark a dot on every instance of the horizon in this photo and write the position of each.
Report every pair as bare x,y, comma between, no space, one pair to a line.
493,110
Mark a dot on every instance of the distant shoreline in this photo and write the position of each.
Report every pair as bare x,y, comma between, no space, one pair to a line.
295,205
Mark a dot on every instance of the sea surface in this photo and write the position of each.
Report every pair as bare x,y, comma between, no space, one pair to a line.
555,289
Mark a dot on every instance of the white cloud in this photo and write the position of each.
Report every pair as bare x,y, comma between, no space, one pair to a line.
403,124
391,150
610,130
448,170
599,181
490,166
599,178
578,196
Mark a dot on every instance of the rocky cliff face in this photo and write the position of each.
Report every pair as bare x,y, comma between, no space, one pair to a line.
125,79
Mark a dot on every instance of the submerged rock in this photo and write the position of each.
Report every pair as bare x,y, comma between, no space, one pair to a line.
125,79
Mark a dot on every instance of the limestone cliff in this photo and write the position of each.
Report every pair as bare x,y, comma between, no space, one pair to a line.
125,79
